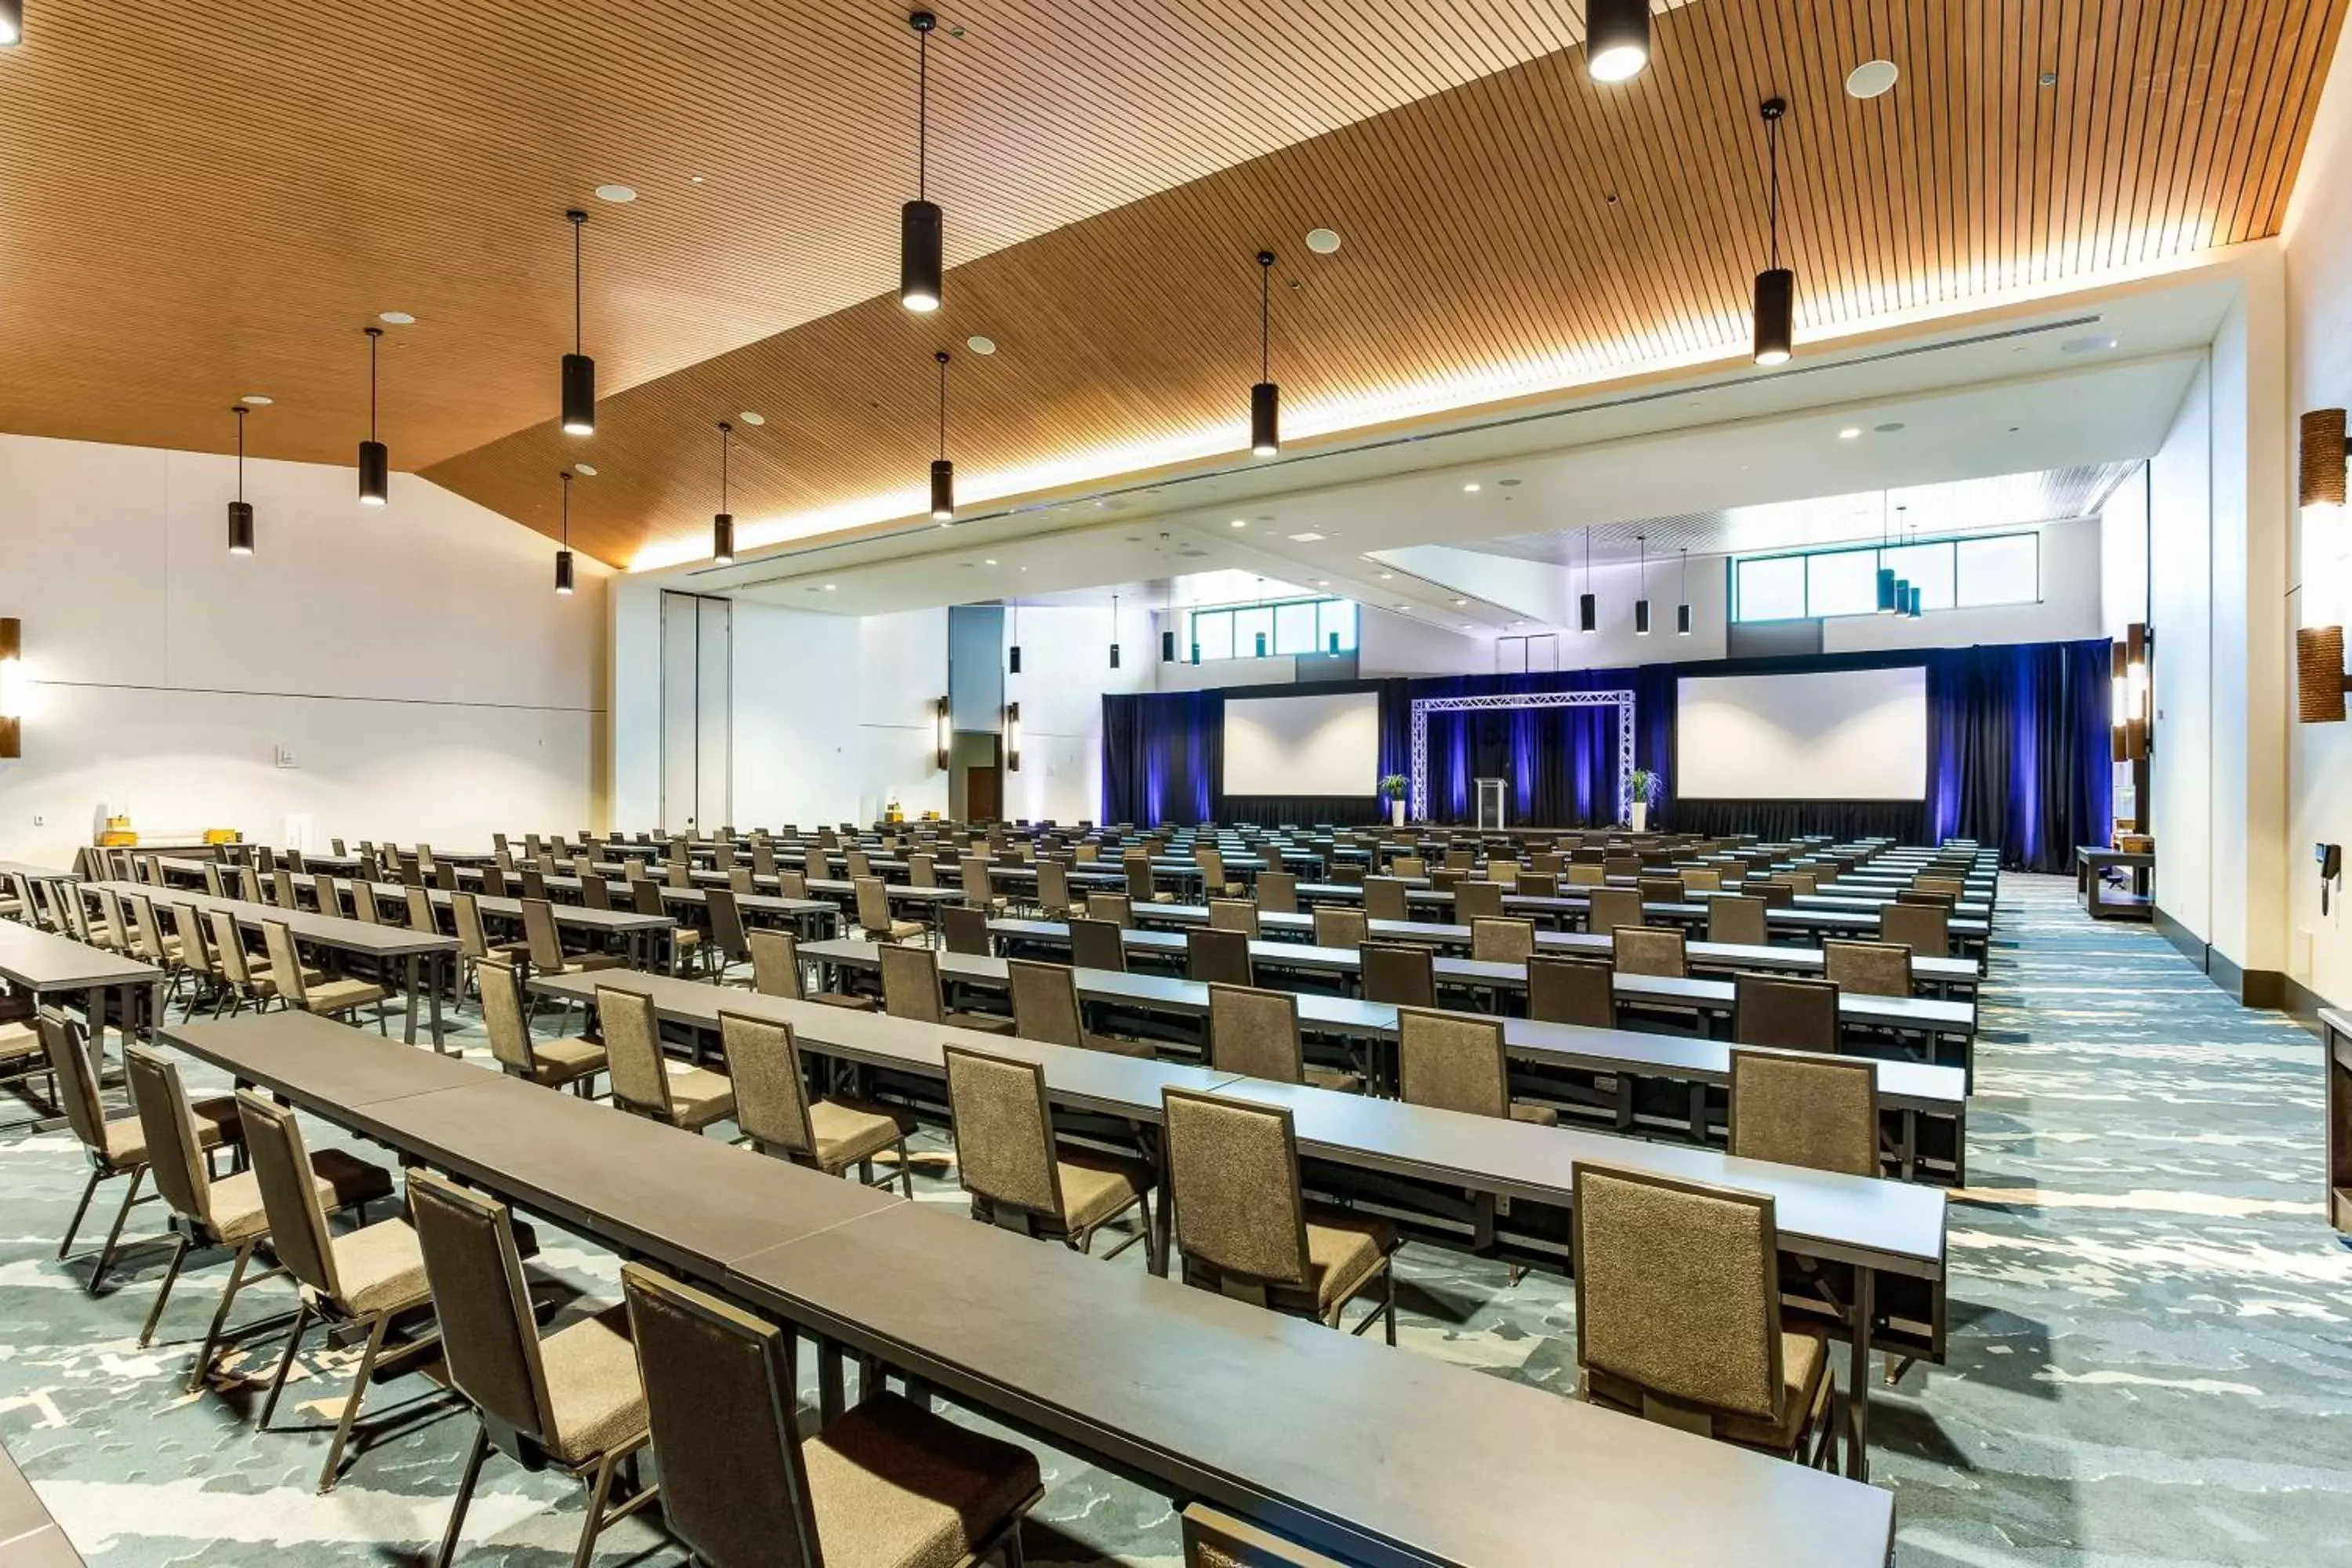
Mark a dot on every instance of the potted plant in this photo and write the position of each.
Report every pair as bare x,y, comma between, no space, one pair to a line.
1648,786
1392,792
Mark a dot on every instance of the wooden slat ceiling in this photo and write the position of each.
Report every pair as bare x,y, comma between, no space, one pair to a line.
1526,227
176,228
203,200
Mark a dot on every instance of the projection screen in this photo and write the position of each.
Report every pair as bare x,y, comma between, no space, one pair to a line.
1852,734
1303,745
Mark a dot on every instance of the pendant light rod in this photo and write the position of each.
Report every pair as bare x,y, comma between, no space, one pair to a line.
1773,109
373,335
942,357
240,413
1265,315
578,221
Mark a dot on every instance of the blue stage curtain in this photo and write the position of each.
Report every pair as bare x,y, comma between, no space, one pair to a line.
1163,754
2018,749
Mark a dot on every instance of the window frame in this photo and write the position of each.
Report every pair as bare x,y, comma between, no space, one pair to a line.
1952,545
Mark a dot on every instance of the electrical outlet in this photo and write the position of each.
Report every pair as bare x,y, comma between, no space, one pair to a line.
40,822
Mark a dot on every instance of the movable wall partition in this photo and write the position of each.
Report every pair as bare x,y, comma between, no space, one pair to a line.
2017,752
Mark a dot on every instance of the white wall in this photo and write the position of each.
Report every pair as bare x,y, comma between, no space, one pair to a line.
2318,258
799,693
2122,556
2180,784
1065,672
903,664
414,661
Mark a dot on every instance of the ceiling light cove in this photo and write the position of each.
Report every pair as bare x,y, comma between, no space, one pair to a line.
256,400
616,193
1870,78
981,345
754,420
1323,241
397,319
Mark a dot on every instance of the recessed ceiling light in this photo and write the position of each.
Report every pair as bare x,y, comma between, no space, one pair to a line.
256,400
1851,433
748,417
980,346
1322,582
1309,537
397,319
2095,344
1322,241
1386,576
1888,429
585,471
2050,78
1471,488
1459,603
1506,484
1465,626
1241,523
829,588
990,562
1404,607
696,178
1870,79
616,193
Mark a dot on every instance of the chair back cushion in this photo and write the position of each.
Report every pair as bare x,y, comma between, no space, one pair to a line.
1277,892
723,1412
1116,907
285,964
633,1053
1233,1171
489,1338
175,1151
1398,972
1045,1002
1500,940
1474,899
965,927
1677,1289
1233,914
1004,1131
1218,957
763,1063
1453,1062
290,1197
1256,1034
1611,908
1384,899
1782,1010
1868,968
505,1017
1648,950
1562,989
910,982
776,964
1099,944
1338,927
1923,928
1738,919
1821,1112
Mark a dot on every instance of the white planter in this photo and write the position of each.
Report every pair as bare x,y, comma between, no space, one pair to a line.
1396,813
1641,817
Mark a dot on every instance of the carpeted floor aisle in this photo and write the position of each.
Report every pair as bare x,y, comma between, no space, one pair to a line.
2151,1328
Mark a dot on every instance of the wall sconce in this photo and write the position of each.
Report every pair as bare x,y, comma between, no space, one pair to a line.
2127,705
12,687
2319,475
1013,737
944,718
2319,678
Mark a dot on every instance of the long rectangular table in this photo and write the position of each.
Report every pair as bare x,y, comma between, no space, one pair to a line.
420,953
41,965
1937,1022
1933,975
1861,1224
1381,1455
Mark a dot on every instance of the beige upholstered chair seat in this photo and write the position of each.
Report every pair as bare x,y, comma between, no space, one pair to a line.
216,1123
891,1486
592,1387
380,1268
841,999
1342,1254
1097,1187
1121,1046
1804,1386
1535,1115
18,1042
342,1181
1335,1079
582,962
265,985
565,1060
844,1132
700,1096
896,931
986,1023
342,995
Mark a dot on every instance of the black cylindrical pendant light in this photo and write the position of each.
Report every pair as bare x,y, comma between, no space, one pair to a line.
375,463
1776,286
240,511
1113,631
1616,38
1013,655
564,556
12,23
1265,397
1682,609
1588,606
579,370
922,232
722,526
1642,603
942,471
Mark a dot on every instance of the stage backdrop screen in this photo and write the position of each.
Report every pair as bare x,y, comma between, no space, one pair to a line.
1303,745
1846,734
